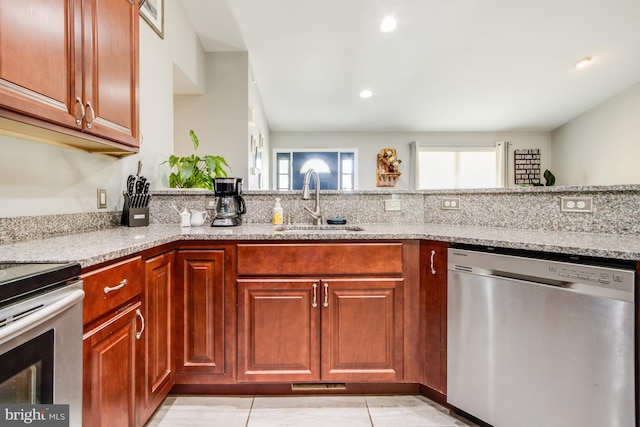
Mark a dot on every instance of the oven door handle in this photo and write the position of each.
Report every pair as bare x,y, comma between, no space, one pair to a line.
41,316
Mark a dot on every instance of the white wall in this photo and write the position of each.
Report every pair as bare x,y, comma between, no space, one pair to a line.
258,180
369,145
220,116
601,146
39,179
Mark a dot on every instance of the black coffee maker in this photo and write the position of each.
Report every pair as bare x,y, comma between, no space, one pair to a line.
229,203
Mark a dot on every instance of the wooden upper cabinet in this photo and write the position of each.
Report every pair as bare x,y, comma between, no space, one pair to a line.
40,52
70,67
110,69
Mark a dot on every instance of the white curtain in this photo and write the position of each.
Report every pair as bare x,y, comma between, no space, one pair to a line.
502,164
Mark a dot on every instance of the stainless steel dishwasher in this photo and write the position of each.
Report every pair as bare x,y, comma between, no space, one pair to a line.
535,342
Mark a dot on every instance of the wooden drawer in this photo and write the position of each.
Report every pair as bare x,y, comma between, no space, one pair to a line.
108,288
305,259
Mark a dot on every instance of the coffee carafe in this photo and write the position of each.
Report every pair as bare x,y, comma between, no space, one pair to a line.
229,203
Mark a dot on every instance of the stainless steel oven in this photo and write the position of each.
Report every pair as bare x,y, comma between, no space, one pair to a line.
41,336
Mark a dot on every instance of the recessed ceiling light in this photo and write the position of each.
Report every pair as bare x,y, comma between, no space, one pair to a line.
388,24
583,62
366,94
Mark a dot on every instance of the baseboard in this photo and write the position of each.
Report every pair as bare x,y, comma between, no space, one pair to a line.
288,389
434,395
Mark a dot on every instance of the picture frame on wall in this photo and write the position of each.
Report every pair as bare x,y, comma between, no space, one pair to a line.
152,11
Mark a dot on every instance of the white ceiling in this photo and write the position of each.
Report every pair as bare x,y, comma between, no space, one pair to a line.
451,65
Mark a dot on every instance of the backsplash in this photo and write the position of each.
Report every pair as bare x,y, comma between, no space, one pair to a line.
616,210
32,227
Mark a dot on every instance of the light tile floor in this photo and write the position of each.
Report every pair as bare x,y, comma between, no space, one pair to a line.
306,411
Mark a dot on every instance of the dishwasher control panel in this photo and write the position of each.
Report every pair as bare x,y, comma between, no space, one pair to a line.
587,274
617,283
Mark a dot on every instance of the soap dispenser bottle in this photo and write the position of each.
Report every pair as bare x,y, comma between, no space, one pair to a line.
278,213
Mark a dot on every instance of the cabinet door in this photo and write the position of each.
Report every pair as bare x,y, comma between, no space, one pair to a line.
111,94
434,289
110,360
362,338
278,330
40,59
157,308
199,312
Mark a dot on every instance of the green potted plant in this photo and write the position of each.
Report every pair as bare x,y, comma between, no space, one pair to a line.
194,171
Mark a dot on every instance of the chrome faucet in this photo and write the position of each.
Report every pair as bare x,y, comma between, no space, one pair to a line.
316,213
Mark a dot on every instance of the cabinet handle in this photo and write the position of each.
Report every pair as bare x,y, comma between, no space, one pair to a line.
433,270
79,119
115,288
314,304
326,295
93,115
139,314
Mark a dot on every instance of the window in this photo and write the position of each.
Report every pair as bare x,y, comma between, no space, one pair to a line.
336,169
461,166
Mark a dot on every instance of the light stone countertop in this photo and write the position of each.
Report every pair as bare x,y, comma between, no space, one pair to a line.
95,247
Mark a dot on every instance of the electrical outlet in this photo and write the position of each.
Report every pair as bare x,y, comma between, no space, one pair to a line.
450,203
210,202
576,204
102,198
393,205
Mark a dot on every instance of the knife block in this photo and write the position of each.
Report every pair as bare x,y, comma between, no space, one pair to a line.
134,217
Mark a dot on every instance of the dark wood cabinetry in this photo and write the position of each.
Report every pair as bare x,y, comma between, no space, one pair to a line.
112,354
70,68
157,340
344,324
362,330
278,330
202,317
199,304
110,367
434,314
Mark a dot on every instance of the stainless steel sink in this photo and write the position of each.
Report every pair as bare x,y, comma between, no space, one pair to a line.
310,228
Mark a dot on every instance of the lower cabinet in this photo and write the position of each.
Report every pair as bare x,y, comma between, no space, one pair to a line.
112,350
320,330
278,330
199,304
434,317
330,312
110,362
299,312
157,376
362,330
128,363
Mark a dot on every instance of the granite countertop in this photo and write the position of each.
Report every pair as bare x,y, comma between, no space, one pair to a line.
95,247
